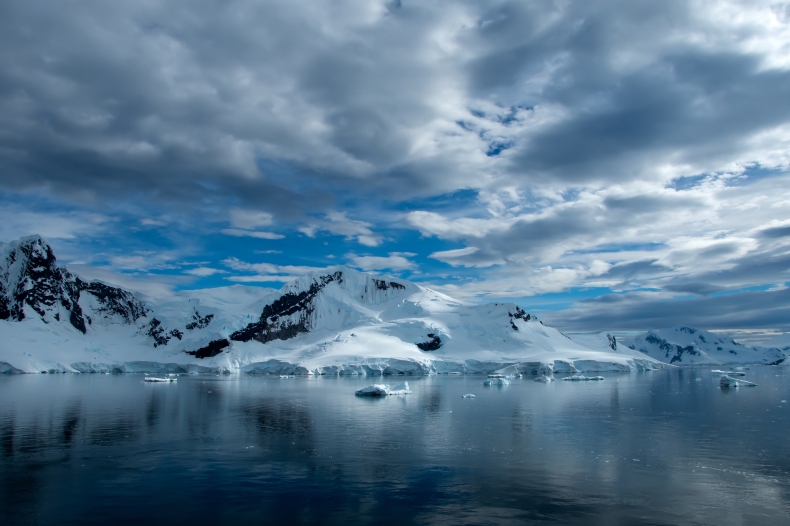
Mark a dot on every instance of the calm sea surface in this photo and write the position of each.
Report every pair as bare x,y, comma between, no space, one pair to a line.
642,448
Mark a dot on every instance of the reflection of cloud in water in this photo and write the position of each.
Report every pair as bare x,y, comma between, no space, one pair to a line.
310,449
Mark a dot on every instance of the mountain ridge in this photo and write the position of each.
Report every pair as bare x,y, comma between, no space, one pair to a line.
338,321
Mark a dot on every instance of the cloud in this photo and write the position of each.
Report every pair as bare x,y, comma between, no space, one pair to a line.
204,271
641,311
237,232
394,261
154,285
249,219
536,146
337,223
265,272
16,222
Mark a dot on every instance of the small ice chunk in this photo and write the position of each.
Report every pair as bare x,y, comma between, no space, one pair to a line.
727,381
496,381
582,378
543,379
468,396
401,389
697,379
728,373
159,379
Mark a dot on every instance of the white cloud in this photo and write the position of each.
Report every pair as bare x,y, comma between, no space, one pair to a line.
237,232
266,271
154,285
204,271
16,222
337,223
394,261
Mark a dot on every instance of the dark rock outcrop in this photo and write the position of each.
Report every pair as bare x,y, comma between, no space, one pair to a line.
199,322
288,316
210,350
30,276
520,314
434,343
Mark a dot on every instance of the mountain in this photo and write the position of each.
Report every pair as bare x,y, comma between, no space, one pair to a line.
339,321
688,346
33,285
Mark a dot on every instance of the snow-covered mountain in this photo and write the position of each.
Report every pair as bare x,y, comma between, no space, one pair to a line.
336,322
687,346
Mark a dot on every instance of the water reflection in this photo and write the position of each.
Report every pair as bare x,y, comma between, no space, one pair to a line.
658,448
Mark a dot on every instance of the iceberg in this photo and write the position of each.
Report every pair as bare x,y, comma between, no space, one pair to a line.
545,379
727,381
582,378
159,379
728,373
496,381
468,396
383,390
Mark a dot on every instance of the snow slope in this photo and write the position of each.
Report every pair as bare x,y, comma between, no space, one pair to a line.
687,346
337,322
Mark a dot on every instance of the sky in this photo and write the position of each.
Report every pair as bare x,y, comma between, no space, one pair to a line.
608,165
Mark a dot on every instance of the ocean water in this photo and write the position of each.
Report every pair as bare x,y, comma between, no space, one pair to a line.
640,448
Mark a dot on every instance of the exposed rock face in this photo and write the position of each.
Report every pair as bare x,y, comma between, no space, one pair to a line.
433,344
198,321
210,350
519,314
30,278
287,316
160,334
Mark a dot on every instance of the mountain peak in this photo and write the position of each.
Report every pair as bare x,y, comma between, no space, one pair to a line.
32,283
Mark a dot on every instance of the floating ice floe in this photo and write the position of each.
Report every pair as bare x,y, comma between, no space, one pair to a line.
468,396
544,378
496,381
728,373
582,378
286,376
727,381
160,379
384,390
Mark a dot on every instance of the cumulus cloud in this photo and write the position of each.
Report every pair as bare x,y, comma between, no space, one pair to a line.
394,261
203,272
337,223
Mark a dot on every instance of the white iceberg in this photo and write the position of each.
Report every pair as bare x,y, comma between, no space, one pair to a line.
545,379
582,378
384,390
468,396
496,381
727,381
728,373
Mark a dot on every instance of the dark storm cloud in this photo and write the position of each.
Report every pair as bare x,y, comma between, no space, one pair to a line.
635,311
159,97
